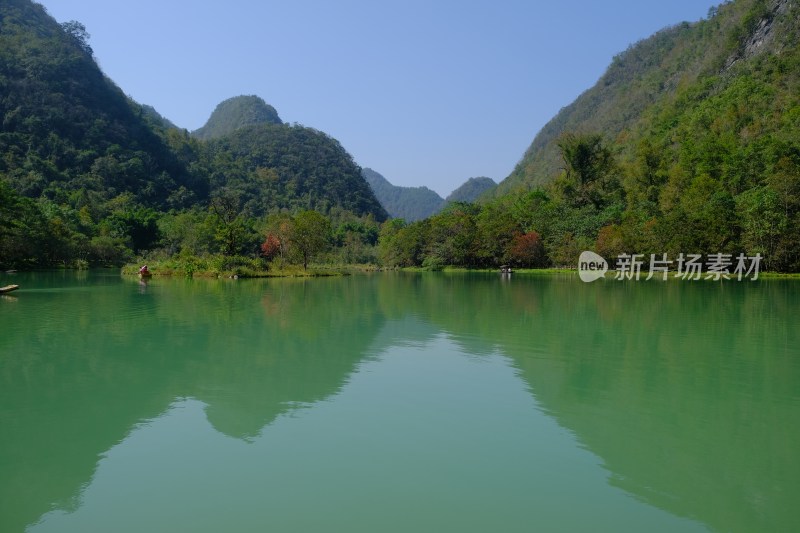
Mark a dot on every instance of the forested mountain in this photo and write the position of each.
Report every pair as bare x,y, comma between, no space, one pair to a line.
408,203
277,166
652,90
68,133
88,176
237,112
688,144
471,190
416,203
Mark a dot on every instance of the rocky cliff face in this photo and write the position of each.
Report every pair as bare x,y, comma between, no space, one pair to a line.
763,32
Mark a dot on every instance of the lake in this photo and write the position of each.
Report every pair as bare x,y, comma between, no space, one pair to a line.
398,402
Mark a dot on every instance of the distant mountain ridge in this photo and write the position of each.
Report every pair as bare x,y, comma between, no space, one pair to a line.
408,203
418,203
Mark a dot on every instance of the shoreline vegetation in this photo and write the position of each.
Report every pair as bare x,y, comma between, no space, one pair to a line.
216,267
248,268
206,269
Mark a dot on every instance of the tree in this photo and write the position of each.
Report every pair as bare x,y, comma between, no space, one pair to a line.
496,228
532,210
566,251
310,235
78,32
645,178
403,245
9,202
232,231
108,250
188,232
527,250
452,235
271,247
763,222
140,225
589,169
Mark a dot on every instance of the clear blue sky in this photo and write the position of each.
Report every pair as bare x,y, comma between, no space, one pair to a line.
424,92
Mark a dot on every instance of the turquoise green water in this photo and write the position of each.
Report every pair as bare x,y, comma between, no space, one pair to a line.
398,402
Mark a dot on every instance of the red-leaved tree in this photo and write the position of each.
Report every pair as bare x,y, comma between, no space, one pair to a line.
527,250
271,247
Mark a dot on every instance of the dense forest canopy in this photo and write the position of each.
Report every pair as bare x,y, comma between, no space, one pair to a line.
279,166
68,133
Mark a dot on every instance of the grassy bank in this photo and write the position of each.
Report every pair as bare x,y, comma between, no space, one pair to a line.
247,267
452,269
230,267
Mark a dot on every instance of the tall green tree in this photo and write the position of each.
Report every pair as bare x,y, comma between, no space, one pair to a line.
495,232
589,170
310,235
452,236
234,230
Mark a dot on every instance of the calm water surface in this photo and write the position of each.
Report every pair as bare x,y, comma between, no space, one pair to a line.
398,402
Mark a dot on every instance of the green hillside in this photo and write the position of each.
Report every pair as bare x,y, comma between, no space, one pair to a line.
278,166
237,112
408,203
68,133
688,144
649,88
88,176
471,190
